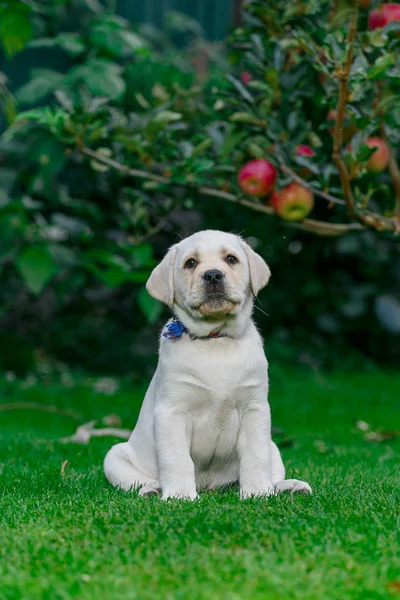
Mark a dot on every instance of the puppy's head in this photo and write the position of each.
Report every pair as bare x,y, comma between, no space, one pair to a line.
209,274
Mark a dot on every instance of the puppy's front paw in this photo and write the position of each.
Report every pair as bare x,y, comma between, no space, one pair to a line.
294,486
179,494
256,492
148,490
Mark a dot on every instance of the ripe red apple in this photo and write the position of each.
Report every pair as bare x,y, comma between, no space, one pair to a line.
246,77
293,203
379,17
304,150
257,177
380,158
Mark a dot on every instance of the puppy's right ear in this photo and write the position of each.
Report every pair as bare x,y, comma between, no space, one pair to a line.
160,284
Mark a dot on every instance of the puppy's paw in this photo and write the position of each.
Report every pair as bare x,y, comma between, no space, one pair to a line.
293,486
179,494
255,492
148,490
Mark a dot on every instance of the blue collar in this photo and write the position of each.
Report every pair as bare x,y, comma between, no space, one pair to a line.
175,330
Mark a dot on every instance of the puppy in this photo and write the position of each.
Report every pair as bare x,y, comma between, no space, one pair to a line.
205,421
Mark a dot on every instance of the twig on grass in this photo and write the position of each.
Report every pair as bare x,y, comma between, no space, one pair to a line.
85,432
43,407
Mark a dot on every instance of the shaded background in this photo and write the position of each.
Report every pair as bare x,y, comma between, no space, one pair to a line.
330,303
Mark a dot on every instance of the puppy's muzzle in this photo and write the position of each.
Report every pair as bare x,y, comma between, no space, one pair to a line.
213,277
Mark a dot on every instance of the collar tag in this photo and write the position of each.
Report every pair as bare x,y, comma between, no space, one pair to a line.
175,330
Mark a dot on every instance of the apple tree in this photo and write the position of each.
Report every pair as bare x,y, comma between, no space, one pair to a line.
295,123
307,127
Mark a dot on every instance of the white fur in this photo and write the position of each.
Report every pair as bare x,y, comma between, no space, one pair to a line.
205,421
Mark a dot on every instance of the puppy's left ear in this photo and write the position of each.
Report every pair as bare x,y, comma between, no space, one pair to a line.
160,284
259,270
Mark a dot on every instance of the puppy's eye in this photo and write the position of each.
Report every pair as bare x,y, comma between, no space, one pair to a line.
232,260
191,263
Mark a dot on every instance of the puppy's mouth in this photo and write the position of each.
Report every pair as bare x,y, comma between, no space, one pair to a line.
216,303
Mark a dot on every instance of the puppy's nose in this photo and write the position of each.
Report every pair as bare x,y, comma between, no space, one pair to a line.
213,276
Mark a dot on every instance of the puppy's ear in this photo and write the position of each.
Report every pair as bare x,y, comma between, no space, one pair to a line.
160,284
259,270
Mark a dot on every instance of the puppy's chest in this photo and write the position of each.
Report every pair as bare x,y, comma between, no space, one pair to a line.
221,369
214,433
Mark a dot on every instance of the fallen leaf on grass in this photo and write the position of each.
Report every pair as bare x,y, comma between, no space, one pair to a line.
321,446
377,435
112,421
363,426
381,436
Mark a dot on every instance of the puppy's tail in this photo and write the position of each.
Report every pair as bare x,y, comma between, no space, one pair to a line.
120,471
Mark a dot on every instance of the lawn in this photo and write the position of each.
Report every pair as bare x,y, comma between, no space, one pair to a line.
65,533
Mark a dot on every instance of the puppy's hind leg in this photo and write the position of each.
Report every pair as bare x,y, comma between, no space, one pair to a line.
294,486
120,471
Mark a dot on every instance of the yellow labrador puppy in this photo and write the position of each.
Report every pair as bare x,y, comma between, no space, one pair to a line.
205,420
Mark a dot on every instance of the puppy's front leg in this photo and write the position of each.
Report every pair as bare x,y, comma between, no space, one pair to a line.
254,449
176,468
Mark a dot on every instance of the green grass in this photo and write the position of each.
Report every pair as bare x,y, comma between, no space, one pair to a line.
71,535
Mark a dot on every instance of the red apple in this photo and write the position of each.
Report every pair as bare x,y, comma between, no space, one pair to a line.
380,158
379,17
257,177
293,203
376,19
246,77
304,150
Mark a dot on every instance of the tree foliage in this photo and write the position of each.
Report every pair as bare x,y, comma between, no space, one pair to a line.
125,141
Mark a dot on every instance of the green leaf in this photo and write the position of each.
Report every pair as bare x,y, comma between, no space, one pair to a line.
166,116
161,119
382,63
15,29
260,86
201,147
150,307
308,163
135,42
243,117
107,36
233,139
36,266
364,153
241,89
43,42
392,27
102,77
36,114
72,43
43,82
